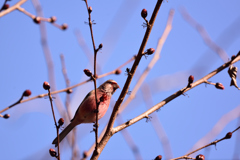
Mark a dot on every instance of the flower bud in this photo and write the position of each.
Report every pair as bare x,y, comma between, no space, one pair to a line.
150,51
100,46
200,157
190,79
118,71
46,85
69,91
37,20
6,116
219,86
89,9
64,26
87,72
144,13
60,121
53,19
159,157
5,6
52,152
228,135
27,93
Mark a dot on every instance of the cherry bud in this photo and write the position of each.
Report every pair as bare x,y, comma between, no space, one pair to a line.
61,121
27,93
46,85
37,20
5,6
87,72
64,26
228,135
190,79
144,13
159,157
6,116
69,91
89,9
219,86
118,71
200,157
150,51
53,19
100,46
52,152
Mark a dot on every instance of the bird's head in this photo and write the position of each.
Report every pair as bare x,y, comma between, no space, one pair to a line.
109,86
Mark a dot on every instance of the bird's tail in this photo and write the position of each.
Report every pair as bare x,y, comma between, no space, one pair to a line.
63,133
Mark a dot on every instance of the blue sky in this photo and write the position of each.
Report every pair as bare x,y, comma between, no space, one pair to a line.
30,130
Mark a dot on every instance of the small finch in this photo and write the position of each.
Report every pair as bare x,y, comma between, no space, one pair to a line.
86,112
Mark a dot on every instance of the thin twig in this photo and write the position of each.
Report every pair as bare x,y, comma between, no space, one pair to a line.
14,7
57,127
227,136
69,88
175,95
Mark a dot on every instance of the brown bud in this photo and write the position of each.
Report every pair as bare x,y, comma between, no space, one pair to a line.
200,157
228,135
53,19
118,71
69,91
52,152
87,72
6,116
100,46
144,13
85,154
5,6
60,121
37,20
46,85
190,79
64,26
150,51
89,9
27,93
219,86
159,157
233,56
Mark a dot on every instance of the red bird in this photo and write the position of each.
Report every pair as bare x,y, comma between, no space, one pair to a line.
86,110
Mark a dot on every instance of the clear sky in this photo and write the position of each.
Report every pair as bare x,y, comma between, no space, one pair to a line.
28,133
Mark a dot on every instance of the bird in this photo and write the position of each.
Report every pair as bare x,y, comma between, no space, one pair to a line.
86,112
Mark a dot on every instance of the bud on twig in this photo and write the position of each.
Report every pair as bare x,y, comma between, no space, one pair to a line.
159,157
150,51
228,135
46,85
89,9
27,93
64,26
118,71
69,91
87,72
6,116
52,152
190,79
53,19
37,20
144,13
60,121
200,157
5,6
219,86
100,46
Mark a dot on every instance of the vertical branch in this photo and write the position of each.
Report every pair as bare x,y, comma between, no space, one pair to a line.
95,74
